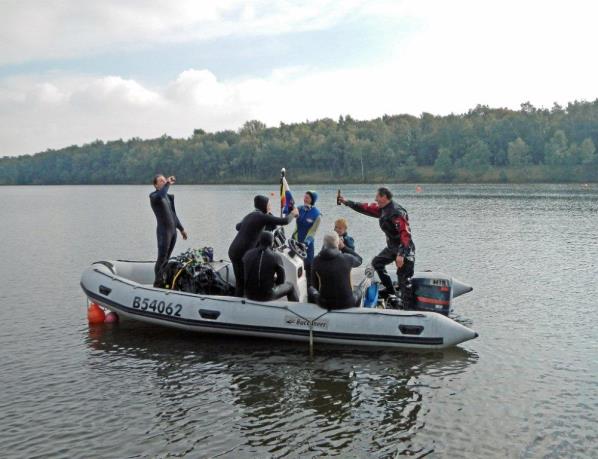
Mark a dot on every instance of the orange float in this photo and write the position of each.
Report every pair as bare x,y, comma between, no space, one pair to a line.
95,314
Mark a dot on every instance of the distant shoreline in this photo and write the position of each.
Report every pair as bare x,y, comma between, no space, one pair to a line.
532,174
314,182
484,145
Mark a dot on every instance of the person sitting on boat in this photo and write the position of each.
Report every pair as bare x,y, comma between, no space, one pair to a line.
331,276
346,242
264,273
167,223
249,230
307,224
400,249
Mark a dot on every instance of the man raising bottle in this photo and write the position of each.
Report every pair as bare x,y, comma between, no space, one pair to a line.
400,249
167,223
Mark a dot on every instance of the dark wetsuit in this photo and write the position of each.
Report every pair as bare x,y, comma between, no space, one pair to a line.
394,222
331,278
249,230
167,223
265,277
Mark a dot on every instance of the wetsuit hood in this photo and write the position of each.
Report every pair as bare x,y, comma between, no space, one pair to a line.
266,240
261,203
313,195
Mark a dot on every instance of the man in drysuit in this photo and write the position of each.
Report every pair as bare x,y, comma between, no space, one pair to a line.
400,249
167,223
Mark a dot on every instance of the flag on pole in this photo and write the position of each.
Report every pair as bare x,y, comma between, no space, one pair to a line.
286,197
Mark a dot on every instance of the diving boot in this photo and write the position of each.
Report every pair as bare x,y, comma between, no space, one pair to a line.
392,302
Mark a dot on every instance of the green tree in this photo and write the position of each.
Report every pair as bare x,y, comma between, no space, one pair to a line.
557,150
443,166
587,152
252,128
392,146
476,157
518,153
409,170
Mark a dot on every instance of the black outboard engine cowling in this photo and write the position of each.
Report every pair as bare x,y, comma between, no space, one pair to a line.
432,293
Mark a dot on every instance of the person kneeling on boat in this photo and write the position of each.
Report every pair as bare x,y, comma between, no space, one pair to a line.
331,276
264,273
249,230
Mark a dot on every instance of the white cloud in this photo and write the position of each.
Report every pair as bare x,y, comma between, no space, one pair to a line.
112,92
464,53
46,93
44,29
200,88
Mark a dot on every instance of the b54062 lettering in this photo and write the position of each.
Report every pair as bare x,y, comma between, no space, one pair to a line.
143,304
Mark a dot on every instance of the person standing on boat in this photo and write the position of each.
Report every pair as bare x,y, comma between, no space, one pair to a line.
264,273
331,272
307,224
167,223
400,249
249,230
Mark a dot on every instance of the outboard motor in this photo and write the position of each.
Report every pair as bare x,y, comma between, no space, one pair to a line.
434,291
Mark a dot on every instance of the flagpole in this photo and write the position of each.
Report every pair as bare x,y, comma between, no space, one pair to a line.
282,174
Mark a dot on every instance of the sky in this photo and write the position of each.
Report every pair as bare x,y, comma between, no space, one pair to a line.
74,71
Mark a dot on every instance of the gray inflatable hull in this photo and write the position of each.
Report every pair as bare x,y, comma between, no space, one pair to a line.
125,288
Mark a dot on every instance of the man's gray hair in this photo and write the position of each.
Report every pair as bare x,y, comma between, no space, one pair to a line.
331,240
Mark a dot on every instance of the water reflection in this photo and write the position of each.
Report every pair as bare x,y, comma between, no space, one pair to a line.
272,397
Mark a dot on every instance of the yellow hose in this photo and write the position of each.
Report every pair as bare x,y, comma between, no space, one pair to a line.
176,276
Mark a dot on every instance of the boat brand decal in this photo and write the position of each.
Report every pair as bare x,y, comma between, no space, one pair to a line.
294,320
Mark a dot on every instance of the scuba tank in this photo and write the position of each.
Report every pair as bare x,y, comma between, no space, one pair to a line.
370,299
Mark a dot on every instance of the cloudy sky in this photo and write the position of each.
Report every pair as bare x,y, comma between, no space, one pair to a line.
74,71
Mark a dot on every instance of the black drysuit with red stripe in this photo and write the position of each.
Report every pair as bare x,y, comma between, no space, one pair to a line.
394,222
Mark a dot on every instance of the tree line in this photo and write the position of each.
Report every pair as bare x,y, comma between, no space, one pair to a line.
484,145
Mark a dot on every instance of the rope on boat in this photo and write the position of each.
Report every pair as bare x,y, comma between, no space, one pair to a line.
310,322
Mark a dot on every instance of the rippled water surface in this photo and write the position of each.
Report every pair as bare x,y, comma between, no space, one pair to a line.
527,387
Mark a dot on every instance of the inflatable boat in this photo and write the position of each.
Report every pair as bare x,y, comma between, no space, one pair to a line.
126,287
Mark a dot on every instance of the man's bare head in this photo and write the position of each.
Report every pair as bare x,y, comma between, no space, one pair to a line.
159,181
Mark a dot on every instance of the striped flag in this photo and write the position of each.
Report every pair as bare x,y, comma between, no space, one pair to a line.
286,197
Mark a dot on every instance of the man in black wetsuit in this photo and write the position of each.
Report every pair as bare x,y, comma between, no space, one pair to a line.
167,223
264,273
400,249
331,276
249,230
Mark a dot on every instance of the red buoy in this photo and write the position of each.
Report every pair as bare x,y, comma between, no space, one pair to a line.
95,314
111,318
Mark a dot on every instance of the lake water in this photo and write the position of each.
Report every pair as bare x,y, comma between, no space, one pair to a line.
527,387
